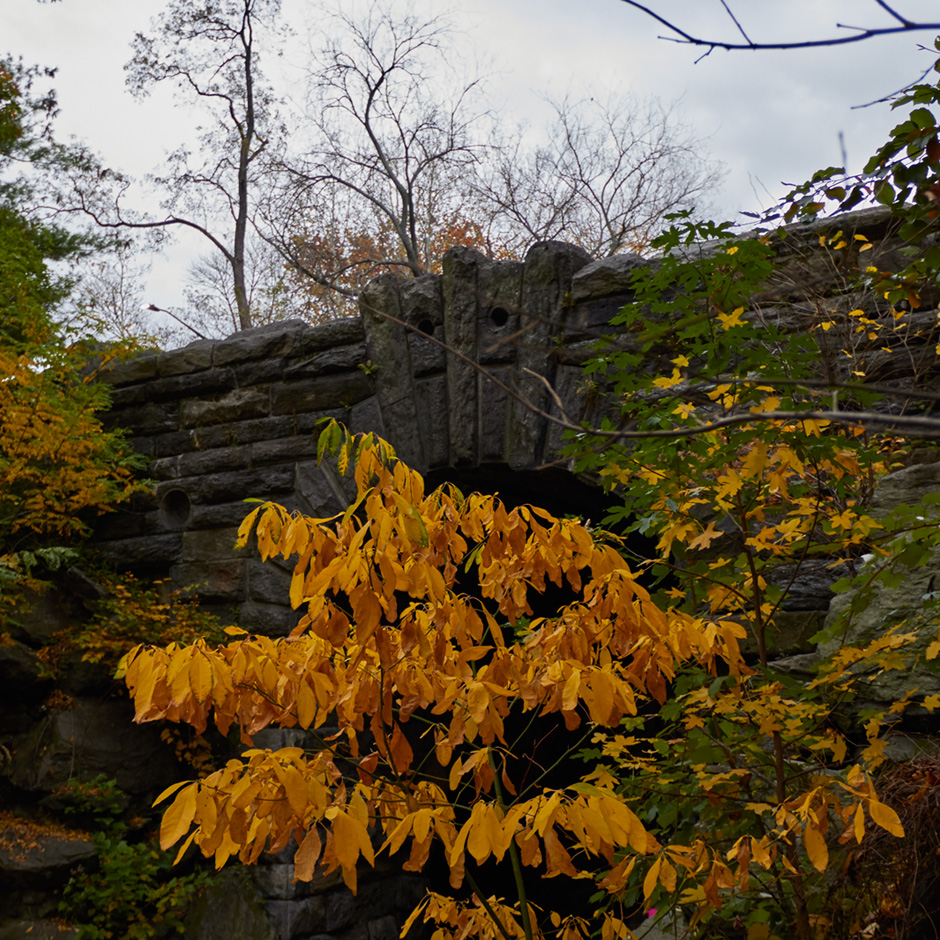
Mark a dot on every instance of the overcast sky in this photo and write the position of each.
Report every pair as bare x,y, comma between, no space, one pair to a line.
769,117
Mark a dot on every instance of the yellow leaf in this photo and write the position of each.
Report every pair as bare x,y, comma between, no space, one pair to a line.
859,824
816,847
704,539
177,819
886,817
307,855
651,879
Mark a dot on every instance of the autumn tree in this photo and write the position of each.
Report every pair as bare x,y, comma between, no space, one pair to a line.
57,465
441,698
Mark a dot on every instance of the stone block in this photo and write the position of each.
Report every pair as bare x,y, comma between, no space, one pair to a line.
267,619
89,738
319,394
296,919
326,361
20,673
165,444
213,461
148,418
144,551
209,545
223,487
268,583
493,412
284,450
231,909
138,368
191,358
40,860
213,581
261,342
119,525
606,276
174,387
220,515
431,402
317,492
249,431
342,332
366,416
237,405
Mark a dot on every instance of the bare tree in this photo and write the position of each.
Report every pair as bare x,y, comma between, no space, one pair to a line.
898,22
391,153
210,303
602,174
208,49
109,298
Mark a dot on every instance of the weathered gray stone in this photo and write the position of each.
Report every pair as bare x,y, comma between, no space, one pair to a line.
343,332
89,738
209,545
282,450
320,394
220,515
809,585
260,342
267,582
221,487
549,268
174,387
431,402
494,407
339,359
906,487
21,673
148,418
213,581
36,858
318,492
387,341
606,276
267,619
250,431
297,918
37,930
237,405
461,312
230,909
147,551
192,358
212,461
164,444
138,368
40,616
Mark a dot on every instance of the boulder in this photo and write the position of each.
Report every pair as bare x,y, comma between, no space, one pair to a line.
229,909
90,738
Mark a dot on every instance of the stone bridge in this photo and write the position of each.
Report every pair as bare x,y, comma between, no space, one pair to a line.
441,366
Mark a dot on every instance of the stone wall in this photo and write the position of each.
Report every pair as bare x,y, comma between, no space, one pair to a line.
444,367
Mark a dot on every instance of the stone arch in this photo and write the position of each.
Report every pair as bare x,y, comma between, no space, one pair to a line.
435,364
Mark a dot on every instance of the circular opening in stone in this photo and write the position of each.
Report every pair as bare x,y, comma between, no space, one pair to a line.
499,316
427,326
176,506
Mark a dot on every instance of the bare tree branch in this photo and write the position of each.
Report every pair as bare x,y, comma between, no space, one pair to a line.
679,35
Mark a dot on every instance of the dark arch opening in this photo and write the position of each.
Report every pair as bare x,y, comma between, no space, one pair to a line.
426,326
